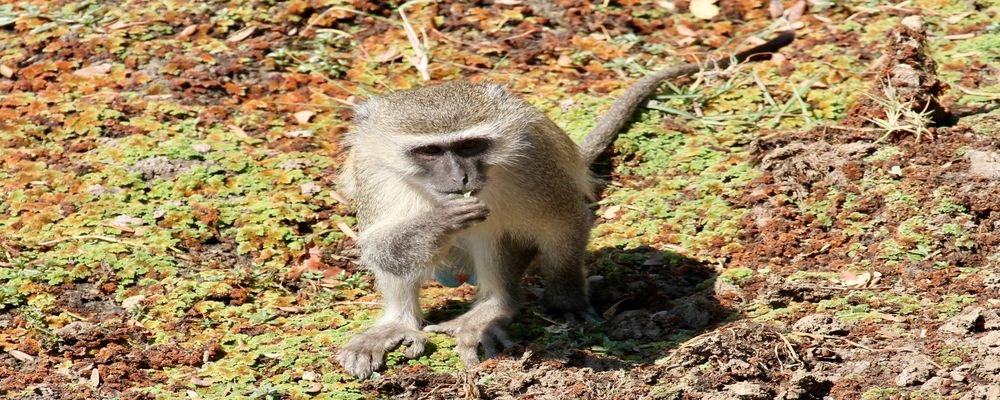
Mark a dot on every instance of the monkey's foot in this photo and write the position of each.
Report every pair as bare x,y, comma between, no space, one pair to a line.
571,307
365,353
482,325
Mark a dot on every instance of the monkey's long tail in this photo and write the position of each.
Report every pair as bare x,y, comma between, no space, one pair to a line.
621,111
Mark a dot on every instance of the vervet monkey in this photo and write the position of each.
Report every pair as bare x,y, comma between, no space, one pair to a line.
468,177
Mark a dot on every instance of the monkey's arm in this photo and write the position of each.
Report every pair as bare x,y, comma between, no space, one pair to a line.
612,122
398,253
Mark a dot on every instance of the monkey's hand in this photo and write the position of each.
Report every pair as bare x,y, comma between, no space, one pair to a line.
483,325
458,213
365,353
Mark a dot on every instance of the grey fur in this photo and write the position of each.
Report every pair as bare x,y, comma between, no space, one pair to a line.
532,208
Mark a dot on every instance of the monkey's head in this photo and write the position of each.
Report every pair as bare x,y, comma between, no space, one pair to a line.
444,138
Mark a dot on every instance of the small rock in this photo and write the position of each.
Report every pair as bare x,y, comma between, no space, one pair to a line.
937,385
991,339
747,391
806,386
914,373
984,164
990,364
963,323
310,188
913,22
821,324
201,148
295,163
73,329
983,392
961,372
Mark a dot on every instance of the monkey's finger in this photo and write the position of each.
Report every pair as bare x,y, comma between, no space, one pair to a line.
441,328
415,345
359,364
468,355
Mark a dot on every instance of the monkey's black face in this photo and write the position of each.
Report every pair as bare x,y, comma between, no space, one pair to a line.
454,167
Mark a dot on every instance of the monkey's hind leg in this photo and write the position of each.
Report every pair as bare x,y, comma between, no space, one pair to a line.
499,266
560,263
399,324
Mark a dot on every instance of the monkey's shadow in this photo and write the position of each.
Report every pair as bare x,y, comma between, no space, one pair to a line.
652,300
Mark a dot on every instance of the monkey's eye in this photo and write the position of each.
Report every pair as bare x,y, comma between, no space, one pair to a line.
428,151
472,147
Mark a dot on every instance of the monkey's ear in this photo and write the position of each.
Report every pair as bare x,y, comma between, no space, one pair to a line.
365,109
496,90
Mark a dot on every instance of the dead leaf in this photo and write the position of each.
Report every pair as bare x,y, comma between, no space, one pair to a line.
960,36
668,5
93,70
775,8
310,188
611,212
795,12
21,356
339,197
685,31
704,9
133,301
315,387
242,34
188,31
236,130
299,133
119,24
312,263
303,117
347,230
564,61
310,376
954,19
507,2
6,71
95,377
200,382
390,54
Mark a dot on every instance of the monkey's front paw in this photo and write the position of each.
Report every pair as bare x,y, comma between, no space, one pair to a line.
471,330
365,353
462,212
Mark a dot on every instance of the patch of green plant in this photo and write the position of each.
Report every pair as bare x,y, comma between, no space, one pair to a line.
737,276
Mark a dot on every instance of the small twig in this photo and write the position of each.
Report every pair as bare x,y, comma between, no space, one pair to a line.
420,59
992,96
85,237
77,316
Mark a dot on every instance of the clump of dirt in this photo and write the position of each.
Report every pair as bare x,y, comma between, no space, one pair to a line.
113,357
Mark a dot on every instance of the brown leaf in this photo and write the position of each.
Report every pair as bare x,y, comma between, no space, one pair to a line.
303,117
236,130
704,9
775,8
795,12
6,71
242,34
21,356
188,31
685,31
93,70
